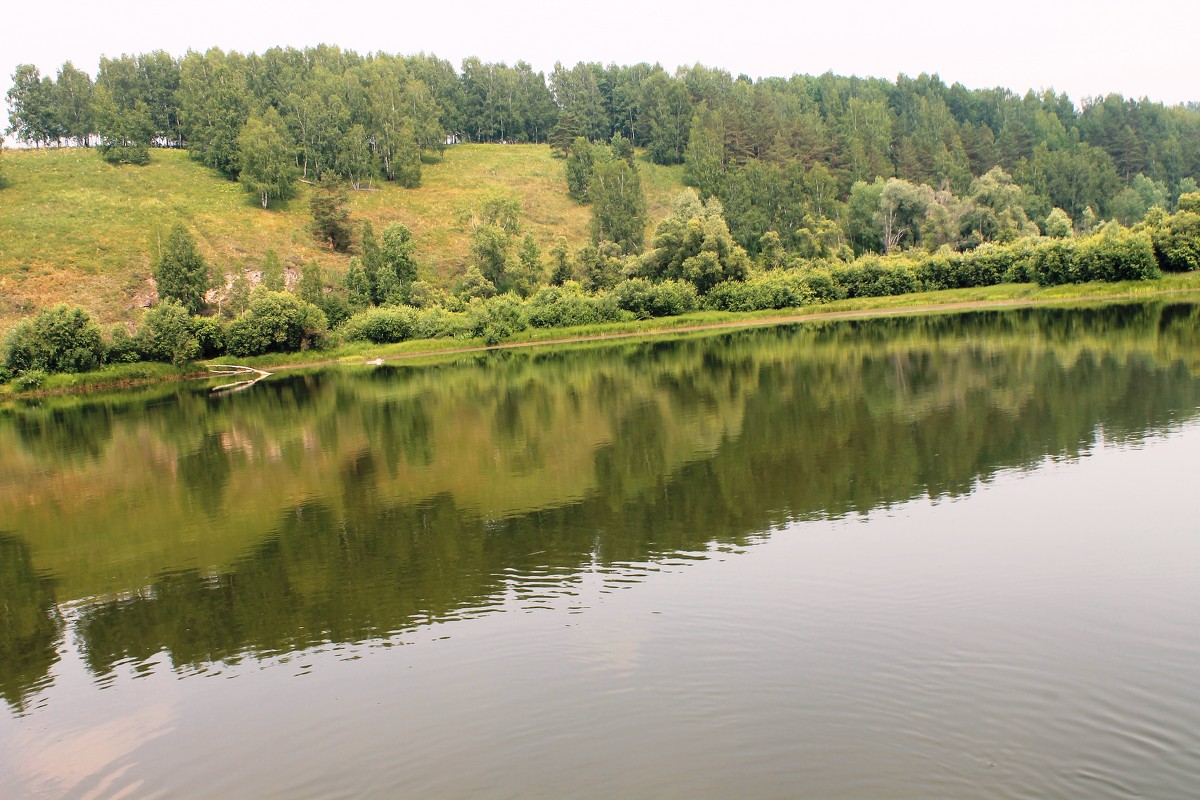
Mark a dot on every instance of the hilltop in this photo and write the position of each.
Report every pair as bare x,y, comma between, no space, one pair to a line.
75,229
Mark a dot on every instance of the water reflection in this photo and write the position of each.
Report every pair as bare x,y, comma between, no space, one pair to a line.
348,507
30,626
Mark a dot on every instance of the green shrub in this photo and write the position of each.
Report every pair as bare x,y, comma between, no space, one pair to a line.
60,339
383,325
438,323
497,318
769,290
871,276
986,265
1115,254
1112,254
170,334
940,270
563,306
276,322
30,381
646,299
1177,242
822,286
1051,263
122,347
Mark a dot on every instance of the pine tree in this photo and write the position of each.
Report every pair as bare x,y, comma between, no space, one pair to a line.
181,273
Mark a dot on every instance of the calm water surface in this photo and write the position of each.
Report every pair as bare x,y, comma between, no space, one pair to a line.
912,558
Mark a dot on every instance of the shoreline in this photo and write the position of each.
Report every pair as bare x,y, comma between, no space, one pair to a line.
367,354
799,316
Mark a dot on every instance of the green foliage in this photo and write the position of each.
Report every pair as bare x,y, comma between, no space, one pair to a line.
527,273
621,148
276,322
693,244
775,289
331,218
123,112
214,103
379,286
563,134
581,163
645,299
618,206
359,288
1177,241
705,158
1189,201
567,305
822,286
30,113
601,266
491,254
996,212
871,276
60,339
31,380
498,210
561,269
266,158
397,253
1073,178
311,286
862,210
803,167
1112,254
498,318
474,285
666,118
382,325
1115,254
171,334
423,294
1059,224
237,298
121,347
181,273
272,272
903,207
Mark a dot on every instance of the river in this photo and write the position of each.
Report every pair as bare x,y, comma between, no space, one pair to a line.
937,556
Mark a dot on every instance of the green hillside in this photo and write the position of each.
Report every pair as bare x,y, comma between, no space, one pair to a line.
75,229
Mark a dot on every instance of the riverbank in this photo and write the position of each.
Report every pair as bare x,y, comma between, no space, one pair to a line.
118,376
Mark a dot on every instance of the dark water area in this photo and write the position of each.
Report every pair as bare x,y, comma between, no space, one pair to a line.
946,556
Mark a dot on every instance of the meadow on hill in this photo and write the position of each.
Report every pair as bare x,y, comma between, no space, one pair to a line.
75,229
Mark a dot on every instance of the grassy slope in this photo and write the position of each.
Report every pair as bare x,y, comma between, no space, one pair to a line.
75,229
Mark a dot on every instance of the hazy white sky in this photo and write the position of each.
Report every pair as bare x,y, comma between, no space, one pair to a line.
1135,48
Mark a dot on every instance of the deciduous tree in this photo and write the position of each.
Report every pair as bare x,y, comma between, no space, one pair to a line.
266,158
618,206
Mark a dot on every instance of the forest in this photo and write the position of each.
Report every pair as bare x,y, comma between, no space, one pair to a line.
803,142
805,189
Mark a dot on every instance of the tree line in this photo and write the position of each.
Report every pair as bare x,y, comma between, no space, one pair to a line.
774,150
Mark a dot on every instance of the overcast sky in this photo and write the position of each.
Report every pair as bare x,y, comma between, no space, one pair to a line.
1138,49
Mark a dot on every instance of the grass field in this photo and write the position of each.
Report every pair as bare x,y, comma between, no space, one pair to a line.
74,229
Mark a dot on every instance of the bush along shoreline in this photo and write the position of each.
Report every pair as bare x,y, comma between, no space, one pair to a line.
691,266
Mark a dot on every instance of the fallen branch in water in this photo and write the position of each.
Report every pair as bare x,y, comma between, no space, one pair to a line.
234,369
